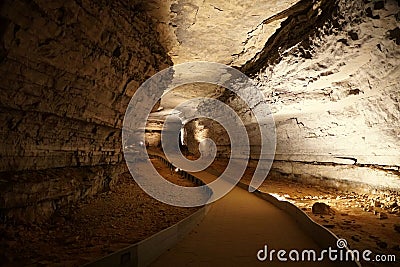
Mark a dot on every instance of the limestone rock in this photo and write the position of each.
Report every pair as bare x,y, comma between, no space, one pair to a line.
381,244
395,35
353,35
66,83
322,209
383,216
379,5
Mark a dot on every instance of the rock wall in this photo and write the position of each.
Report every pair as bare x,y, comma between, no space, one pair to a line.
68,70
341,102
302,21
228,32
330,75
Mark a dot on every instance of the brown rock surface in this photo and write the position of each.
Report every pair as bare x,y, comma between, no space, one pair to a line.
68,70
93,228
322,208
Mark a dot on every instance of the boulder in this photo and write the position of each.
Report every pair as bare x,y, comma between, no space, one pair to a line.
322,209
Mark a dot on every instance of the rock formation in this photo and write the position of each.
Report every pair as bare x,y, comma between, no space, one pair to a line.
329,70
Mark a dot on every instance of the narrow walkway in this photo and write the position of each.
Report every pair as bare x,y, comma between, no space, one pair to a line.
235,229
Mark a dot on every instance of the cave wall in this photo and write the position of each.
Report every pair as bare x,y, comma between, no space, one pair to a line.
341,105
68,70
227,32
339,100
330,77
302,21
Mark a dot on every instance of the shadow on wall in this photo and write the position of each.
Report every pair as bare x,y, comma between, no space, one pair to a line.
68,72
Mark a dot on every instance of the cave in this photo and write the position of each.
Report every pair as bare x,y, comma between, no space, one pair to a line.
322,75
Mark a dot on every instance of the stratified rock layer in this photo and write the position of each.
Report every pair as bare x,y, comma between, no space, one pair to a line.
68,70
333,89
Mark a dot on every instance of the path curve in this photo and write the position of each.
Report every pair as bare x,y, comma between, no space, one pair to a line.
235,229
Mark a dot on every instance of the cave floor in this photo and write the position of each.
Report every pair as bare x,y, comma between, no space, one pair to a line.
365,220
125,215
237,226
93,228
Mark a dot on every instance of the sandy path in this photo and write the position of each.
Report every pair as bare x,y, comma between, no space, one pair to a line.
234,230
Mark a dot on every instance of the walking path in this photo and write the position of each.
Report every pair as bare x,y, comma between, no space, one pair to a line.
235,229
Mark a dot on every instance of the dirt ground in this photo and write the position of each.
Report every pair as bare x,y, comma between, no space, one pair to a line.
93,228
373,229
125,215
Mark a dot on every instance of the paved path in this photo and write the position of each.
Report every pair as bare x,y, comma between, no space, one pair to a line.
235,229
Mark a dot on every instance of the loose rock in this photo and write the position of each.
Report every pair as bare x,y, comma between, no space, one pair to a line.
353,35
379,5
395,35
381,244
322,208
383,216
